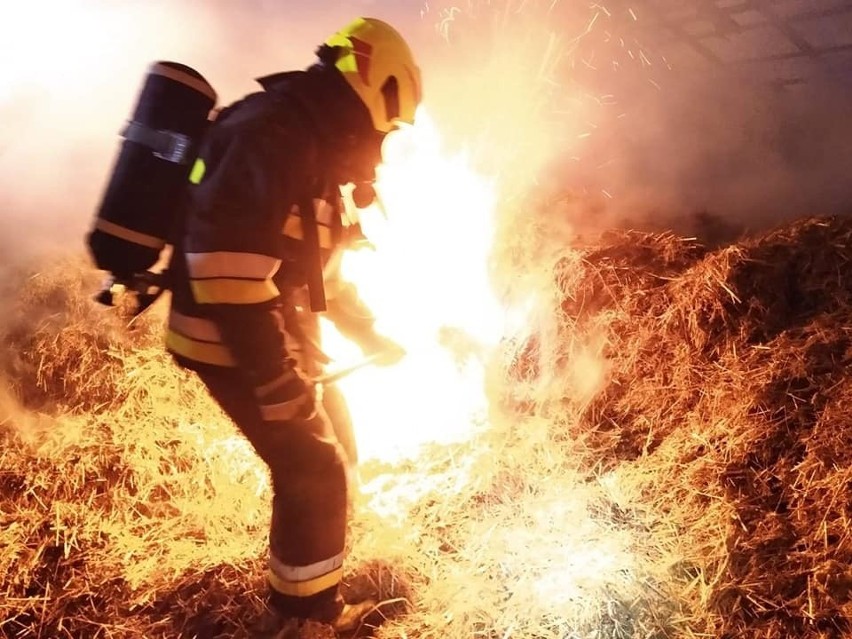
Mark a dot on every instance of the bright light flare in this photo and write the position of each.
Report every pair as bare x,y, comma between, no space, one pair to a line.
54,47
560,561
428,283
434,236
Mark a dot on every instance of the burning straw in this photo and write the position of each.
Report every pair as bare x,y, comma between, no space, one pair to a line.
697,488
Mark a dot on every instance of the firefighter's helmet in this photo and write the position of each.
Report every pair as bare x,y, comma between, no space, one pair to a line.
378,64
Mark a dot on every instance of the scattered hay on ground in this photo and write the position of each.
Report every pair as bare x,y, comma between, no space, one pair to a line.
675,463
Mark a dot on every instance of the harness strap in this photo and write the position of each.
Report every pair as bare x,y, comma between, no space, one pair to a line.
313,256
167,145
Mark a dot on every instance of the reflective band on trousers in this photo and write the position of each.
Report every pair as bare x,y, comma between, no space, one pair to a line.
284,411
197,328
324,211
129,235
216,354
197,339
285,377
305,581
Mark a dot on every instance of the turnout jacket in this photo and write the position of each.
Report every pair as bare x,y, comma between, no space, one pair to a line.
246,247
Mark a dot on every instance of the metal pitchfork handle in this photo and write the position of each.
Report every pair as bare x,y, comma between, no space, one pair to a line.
340,373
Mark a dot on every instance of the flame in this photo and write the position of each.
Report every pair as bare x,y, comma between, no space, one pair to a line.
428,283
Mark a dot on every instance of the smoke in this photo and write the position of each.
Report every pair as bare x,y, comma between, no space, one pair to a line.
578,104
558,100
720,144
71,73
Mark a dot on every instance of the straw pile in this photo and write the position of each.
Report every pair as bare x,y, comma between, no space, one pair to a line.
674,463
727,410
103,458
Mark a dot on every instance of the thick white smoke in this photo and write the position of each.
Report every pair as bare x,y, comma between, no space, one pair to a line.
614,133
690,141
71,72
722,143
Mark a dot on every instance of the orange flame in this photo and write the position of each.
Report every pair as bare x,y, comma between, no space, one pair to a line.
428,283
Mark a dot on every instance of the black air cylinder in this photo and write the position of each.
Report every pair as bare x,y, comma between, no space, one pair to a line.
142,197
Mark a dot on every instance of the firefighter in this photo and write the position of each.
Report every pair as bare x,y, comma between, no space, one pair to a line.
262,224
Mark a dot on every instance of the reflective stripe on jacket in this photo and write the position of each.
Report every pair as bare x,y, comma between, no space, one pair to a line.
242,225
242,241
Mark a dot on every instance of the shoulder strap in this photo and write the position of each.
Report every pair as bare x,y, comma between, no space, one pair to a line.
307,213
310,237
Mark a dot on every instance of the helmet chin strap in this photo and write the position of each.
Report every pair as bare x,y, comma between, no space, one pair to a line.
358,158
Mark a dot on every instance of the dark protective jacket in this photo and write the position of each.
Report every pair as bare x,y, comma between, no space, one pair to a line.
242,254
241,262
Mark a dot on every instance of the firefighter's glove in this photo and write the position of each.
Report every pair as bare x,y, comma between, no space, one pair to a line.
385,350
288,397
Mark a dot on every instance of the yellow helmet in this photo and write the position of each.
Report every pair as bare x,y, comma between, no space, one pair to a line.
377,63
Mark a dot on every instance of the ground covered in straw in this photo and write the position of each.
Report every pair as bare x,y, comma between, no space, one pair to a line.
668,456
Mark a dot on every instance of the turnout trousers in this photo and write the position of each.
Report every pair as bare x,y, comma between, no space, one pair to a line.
304,343
307,534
